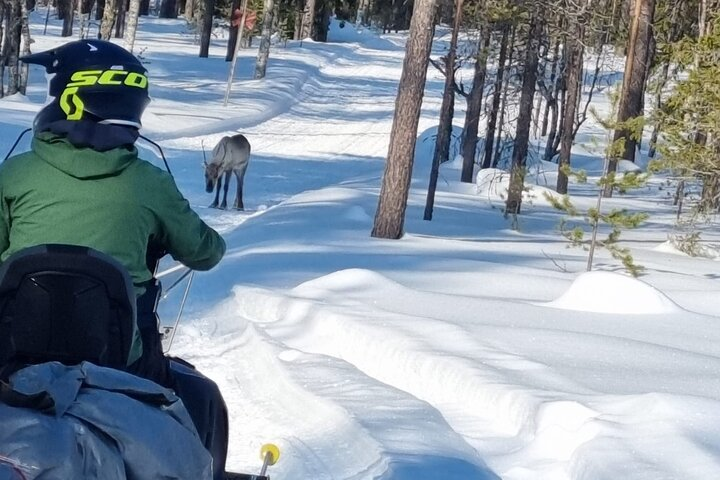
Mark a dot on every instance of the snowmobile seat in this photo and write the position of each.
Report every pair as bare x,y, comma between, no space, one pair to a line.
65,303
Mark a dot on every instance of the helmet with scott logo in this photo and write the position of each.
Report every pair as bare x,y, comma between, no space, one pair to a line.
92,80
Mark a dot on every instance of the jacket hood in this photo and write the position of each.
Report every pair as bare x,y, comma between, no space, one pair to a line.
81,162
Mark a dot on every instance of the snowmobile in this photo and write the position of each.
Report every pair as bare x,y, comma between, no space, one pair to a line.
67,407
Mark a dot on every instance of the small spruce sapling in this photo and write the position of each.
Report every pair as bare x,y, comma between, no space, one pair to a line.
617,220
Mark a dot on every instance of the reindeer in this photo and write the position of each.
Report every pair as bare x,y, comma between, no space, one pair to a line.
230,155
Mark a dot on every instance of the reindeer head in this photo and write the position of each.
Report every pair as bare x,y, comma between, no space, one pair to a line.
212,172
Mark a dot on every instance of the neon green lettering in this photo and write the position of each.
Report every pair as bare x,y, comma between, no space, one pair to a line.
84,78
136,80
108,77
75,110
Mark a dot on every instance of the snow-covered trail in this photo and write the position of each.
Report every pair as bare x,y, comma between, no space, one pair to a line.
342,114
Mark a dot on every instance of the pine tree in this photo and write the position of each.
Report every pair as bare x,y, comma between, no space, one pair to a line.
692,108
522,131
390,214
595,218
267,30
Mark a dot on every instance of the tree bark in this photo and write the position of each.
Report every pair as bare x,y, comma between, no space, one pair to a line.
13,39
573,83
522,132
447,110
503,102
634,79
298,21
474,106
557,105
205,21
108,20
658,105
189,12
232,38
120,22
553,77
497,89
322,21
264,48
168,9
65,9
132,23
3,47
390,215
26,41
308,20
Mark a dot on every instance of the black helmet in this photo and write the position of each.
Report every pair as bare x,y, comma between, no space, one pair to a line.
93,80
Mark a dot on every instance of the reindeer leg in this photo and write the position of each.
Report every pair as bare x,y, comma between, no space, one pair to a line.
214,204
240,177
223,205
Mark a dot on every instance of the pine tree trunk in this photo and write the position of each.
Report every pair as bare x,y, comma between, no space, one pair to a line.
503,102
26,41
322,22
497,88
542,68
144,8
189,12
65,10
557,108
84,25
264,48
120,22
658,105
308,20
522,132
361,16
3,47
108,20
447,110
474,106
100,11
132,23
13,37
298,30
538,108
573,83
710,196
390,215
634,79
553,77
168,9
232,38
555,147
205,17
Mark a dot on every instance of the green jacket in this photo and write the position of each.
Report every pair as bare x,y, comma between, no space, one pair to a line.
110,201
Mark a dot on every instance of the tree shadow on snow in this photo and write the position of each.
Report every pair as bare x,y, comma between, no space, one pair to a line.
433,467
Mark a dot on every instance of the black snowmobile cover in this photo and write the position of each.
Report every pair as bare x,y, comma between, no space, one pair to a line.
90,422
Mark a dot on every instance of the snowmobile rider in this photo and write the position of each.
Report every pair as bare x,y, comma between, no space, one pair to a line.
82,183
